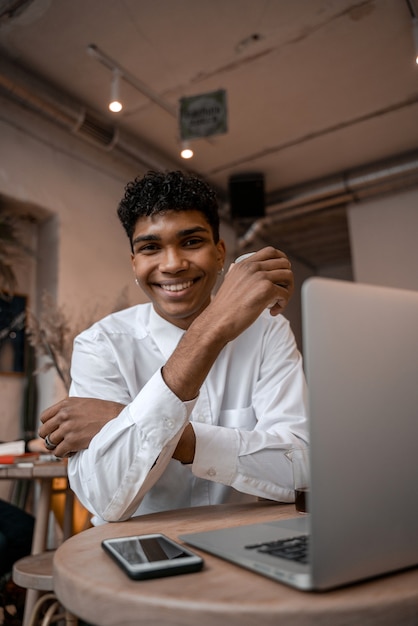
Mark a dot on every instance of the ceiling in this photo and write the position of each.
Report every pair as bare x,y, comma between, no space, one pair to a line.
322,96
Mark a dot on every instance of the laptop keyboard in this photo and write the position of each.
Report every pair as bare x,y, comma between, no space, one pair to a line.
293,549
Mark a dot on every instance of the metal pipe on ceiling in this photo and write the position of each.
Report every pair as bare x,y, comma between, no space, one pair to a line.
377,179
394,172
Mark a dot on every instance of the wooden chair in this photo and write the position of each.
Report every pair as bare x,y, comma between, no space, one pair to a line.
35,573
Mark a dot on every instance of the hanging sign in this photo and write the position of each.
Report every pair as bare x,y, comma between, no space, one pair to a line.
204,115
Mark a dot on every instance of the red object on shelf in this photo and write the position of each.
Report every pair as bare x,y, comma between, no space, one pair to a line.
9,459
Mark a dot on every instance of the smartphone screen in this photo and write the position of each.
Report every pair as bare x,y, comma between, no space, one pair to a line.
150,556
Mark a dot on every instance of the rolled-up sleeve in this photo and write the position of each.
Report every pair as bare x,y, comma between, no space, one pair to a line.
130,453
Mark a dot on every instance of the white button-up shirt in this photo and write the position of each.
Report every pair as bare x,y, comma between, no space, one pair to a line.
250,410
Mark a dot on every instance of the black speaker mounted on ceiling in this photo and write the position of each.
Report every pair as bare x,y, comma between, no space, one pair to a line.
246,196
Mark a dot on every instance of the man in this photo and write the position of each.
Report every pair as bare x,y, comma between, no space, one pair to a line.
203,394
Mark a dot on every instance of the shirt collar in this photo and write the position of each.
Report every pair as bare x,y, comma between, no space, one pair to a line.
164,333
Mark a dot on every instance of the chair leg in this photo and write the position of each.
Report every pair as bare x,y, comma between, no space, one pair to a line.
54,612
32,596
34,616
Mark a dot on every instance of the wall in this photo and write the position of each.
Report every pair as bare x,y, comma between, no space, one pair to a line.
384,235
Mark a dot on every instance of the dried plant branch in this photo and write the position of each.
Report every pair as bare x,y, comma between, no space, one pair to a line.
52,336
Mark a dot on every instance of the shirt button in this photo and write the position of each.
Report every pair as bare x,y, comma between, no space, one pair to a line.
170,423
200,418
211,471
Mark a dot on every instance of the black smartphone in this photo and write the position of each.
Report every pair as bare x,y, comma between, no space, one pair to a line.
151,556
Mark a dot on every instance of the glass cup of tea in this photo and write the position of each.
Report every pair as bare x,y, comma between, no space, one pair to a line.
299,458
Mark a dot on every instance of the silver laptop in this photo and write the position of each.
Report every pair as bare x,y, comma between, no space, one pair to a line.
361,361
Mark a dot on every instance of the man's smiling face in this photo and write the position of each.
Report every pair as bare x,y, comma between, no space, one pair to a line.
176,262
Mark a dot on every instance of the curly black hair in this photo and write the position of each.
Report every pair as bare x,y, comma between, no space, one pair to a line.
158,192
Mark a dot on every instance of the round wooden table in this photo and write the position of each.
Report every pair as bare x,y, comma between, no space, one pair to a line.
91,585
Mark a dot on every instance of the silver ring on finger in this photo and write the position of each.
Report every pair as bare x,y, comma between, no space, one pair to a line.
48,443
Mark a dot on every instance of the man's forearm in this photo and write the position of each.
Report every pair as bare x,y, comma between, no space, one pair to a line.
190,363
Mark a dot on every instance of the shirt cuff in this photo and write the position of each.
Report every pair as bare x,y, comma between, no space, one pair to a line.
157,399
216,453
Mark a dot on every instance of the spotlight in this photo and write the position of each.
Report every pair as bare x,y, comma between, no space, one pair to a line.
186,151
115,105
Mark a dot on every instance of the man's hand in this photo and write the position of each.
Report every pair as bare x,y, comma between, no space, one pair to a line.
283,275
263,280
72,423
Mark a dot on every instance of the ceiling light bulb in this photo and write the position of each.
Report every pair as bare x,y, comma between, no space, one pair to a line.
115,105
186,151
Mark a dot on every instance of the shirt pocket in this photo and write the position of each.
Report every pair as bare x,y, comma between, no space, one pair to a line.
238,418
